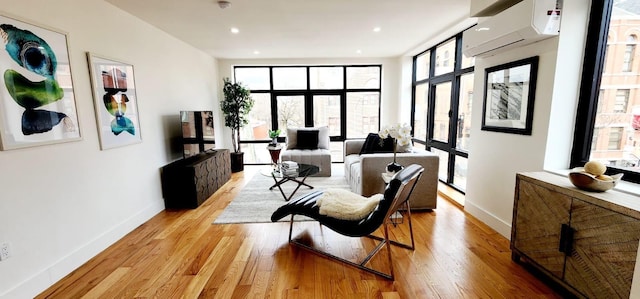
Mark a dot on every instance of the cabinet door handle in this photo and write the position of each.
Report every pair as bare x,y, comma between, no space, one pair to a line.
566,239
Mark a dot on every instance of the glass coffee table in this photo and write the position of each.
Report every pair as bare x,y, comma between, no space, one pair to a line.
298,177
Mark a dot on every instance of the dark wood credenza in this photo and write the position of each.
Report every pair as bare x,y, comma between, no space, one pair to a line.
587,242
187,183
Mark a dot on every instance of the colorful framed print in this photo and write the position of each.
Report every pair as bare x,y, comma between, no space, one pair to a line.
116,104
37,102
510,90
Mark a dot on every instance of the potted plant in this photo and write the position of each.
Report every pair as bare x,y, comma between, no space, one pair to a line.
236,106
273,134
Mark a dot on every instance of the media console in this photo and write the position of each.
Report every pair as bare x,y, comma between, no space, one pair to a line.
187,183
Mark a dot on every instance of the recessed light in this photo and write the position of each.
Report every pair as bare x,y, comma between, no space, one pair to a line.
376,29
359,51
483,29
235,30
256,52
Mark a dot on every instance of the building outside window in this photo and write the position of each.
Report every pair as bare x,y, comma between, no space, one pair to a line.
622,98
615,138
629,52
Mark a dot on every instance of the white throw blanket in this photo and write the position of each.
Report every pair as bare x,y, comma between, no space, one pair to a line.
346,205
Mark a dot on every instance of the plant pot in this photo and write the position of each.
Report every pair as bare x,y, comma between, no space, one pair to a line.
237,162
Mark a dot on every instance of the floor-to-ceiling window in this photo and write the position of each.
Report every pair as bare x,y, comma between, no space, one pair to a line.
441,107
608,118
346,98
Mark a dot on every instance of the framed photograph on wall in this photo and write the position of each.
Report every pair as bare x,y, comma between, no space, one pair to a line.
116,104
37,102
509,97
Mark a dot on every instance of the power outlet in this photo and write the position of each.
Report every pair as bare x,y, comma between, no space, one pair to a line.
5,251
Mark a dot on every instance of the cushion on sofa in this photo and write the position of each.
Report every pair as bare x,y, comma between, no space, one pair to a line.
372,145
323,136
307,139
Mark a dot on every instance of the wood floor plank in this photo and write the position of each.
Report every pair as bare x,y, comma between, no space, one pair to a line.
181,254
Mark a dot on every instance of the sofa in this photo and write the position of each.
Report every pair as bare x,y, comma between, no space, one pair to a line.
309,145
363,172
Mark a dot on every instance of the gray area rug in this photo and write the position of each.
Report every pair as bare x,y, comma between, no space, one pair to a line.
255,203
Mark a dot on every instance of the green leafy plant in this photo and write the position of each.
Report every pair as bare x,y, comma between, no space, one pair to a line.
236,106
274,133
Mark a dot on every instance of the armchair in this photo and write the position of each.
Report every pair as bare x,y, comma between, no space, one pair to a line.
309,146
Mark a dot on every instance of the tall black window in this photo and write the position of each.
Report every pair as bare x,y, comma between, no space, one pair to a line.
441,107
608,116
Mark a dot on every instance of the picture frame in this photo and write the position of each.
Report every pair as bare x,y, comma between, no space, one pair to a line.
37,100
115,101
509,97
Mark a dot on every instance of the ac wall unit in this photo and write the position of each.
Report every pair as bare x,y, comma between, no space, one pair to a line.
521,24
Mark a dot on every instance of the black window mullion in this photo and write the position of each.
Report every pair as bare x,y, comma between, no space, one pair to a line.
343,115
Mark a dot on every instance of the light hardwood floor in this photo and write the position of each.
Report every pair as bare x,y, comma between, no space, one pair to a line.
181,254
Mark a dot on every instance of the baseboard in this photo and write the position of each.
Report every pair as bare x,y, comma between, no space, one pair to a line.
59,269
489,219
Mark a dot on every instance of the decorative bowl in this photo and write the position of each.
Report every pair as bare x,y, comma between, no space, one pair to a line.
588,182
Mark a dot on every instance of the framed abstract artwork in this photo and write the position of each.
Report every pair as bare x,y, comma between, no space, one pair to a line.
509,97
116,104
37,102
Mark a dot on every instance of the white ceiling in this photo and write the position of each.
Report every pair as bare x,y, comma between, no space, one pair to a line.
301,28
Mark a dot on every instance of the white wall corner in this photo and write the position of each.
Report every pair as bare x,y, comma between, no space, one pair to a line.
499,225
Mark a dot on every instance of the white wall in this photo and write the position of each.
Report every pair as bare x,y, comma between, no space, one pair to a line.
62,204
495,158
391,98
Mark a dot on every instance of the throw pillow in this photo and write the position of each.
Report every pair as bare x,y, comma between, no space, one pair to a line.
323,136
292,138
307,139
372,145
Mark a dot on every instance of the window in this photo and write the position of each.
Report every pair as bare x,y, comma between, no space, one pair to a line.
615,139
443,57
305,96
441,107
420,108
362,106
622,98
330,77
422,65
629,52
604,123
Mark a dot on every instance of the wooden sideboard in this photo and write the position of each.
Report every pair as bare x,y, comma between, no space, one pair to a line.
585,241
187,183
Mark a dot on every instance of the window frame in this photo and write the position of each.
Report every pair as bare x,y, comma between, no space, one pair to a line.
432,81
308,94
593,66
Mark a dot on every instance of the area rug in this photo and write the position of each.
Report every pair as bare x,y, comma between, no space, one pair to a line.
255,203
